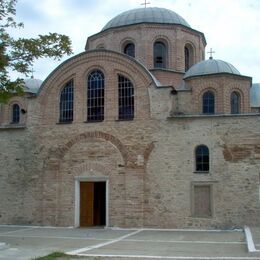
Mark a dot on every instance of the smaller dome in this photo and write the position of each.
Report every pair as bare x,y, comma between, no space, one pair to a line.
32,85
209,67
146,15
255,95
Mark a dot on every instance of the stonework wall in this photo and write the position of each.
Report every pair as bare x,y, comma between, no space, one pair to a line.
148,162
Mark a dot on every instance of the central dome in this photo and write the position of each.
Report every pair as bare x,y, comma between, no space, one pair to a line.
146,15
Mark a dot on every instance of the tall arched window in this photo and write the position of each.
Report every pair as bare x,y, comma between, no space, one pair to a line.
95,102
125,99
235,102
159,55
208,101
202,158
130,49
189,56
66,103
15,114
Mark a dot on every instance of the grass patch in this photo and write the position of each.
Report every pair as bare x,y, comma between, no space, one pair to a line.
62,256
52,256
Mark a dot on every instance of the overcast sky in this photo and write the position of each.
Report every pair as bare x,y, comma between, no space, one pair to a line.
231,27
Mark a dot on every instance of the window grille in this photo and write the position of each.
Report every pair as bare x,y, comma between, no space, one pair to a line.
15,114
66,103
202,158
95,98
159,53
130,49
208,103
125,98
235,102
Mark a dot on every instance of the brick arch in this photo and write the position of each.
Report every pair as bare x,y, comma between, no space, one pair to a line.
244,95
203,88
86,58
89,166
95,135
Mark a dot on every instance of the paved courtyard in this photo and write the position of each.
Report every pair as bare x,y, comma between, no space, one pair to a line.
30,242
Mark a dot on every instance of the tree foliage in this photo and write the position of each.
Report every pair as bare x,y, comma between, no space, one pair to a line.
19,54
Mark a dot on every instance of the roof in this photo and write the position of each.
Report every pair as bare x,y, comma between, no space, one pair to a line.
211,66
32,85
146,15
255,95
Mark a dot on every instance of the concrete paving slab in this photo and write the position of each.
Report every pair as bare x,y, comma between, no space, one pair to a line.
28,243
4,229
25,248
67,233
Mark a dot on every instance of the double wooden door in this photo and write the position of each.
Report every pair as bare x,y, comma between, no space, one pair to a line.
92,204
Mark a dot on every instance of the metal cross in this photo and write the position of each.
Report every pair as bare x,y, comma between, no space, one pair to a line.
146,3
211,52
32,71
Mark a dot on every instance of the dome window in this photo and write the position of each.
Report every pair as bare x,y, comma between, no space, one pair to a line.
208,101
189,56
159,54
235,102
130,49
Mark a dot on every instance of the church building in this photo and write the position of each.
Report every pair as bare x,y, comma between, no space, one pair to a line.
139,130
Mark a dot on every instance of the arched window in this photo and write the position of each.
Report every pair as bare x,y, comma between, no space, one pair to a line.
66,102
95,99
189,56
235,102
130,49
125,98
159,55
202,158
208,101
15,114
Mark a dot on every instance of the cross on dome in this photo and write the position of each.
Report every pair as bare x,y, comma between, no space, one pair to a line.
32,71
145,3
211,52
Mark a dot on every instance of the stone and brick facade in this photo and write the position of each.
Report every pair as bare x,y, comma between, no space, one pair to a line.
148,163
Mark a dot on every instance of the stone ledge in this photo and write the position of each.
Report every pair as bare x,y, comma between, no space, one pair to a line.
183,116
12,126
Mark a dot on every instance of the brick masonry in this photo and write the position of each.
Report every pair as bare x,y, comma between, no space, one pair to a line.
148,161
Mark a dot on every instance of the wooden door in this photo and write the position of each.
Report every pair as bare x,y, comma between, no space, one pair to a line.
86,204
